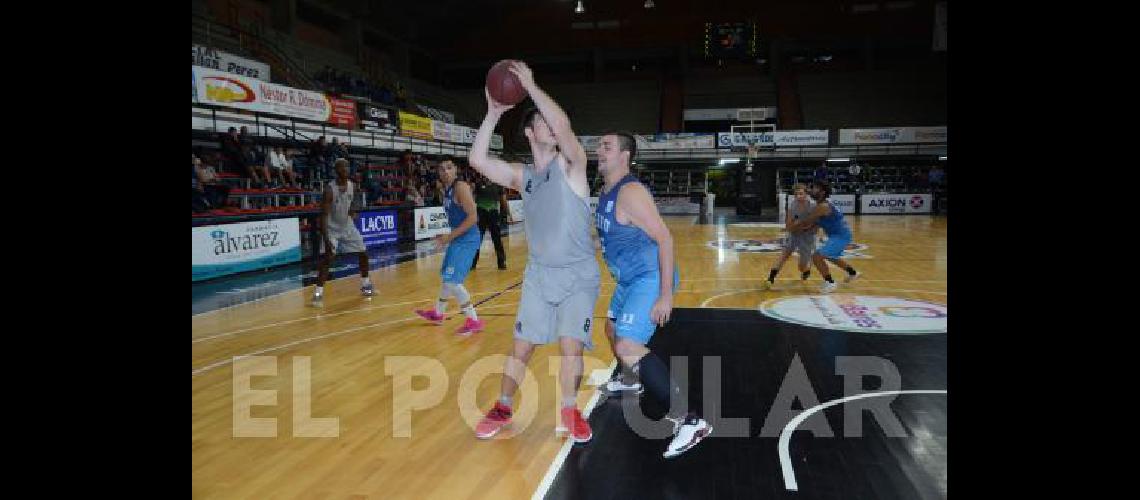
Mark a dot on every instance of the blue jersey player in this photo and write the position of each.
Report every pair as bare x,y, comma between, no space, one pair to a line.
462,243
638,250
830,219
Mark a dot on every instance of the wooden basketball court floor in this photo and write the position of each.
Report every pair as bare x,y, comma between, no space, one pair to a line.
326,375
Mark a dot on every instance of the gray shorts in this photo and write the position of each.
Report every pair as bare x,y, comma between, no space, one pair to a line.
558,302
345,240
803,243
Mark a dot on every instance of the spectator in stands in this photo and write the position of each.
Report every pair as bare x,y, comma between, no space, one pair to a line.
936,176
917,179
206,176
274,164
198,201
255,165
855,170
412,193
231,152
337,150
821,173
288,177
317,153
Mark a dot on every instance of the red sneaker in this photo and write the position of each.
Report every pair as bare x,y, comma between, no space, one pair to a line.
430,315
578,428
469,327
498,418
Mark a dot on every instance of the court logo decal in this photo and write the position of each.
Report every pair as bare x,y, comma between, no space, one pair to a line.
916,202
776,245
859,313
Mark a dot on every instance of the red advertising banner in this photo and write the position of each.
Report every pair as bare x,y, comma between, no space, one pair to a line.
343,113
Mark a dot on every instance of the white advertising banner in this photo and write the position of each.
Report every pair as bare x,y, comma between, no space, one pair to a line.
430,221
779,138
659,141
844,202
224,249
676,141
896,135
235,91
895,204
224,61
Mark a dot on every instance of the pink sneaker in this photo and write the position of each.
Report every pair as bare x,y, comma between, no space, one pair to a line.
575,426
470,326
430,315
497,419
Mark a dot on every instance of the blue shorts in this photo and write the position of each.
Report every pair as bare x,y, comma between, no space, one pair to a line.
631,304
457,261
834,246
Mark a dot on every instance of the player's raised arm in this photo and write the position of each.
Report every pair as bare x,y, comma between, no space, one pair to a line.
498,171
559,123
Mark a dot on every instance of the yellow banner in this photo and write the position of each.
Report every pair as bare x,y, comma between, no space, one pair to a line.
415,126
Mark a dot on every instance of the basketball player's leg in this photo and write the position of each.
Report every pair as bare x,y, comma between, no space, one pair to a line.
830,251
330,247
458,263
787,252
534,325
634,328
573,322
350,241
804,249
514,371
852,274
625,381
833,249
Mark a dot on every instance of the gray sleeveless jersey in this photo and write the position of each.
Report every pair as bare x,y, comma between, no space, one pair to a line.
557,221
341,203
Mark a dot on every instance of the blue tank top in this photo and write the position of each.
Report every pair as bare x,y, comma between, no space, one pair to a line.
628,251
456,215
833,223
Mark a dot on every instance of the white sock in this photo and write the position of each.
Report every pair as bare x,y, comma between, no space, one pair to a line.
364,281
569,402
320,290
441,303
505,400
469,310
460,293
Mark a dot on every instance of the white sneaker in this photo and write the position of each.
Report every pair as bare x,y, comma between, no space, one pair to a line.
828,287
852,277
615,387
687,433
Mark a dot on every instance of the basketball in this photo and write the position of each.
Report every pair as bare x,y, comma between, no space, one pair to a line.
503,85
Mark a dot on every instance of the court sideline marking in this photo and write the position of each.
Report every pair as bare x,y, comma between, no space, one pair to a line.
786,435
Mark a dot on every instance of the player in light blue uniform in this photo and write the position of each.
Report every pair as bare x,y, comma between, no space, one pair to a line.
462,243
638,250
830,219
